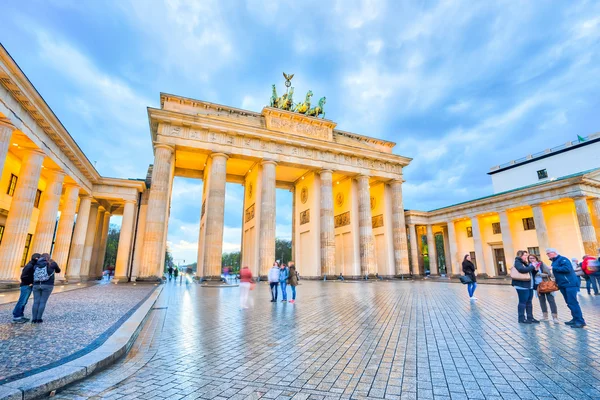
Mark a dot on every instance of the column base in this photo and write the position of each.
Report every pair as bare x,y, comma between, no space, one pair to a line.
10,284
119,279
72,279
149,279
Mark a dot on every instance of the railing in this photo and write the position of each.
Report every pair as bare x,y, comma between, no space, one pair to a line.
573,143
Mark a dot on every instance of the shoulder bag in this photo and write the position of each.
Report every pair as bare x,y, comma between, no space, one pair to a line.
548,286
465,279
519,276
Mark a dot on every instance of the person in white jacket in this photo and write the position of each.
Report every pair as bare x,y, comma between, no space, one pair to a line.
274,281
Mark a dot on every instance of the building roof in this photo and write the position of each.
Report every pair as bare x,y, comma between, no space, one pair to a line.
563,148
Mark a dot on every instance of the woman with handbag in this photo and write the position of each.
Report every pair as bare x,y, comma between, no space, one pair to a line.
523,280
469,270
544,282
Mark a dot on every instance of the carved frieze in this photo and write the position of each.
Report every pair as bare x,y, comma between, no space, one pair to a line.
249,213
377,221
305,217
287,122
342,219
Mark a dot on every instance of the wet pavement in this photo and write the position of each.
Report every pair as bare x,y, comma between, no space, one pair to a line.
75,322
393,340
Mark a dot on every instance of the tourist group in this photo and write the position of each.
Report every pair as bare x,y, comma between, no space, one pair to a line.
532,276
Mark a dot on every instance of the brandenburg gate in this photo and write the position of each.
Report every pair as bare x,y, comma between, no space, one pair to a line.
348,215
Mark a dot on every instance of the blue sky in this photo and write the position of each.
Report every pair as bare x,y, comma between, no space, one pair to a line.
460,86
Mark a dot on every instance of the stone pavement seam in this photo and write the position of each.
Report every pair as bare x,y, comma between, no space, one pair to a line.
106,354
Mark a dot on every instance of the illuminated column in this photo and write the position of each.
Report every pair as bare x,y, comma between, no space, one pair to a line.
125,238
455,261
103,242
64,232
44,231
540,230
586,226
327,227
139,239
595,203
266,249
431,250
507,242
414,248
156,215
81,225
215,217
94,273
6,130
368,264
399,229
479,258
19,216
293,191
88,247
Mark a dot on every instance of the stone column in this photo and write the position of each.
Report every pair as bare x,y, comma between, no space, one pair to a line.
64,232
156,213
447,256
478,245
595,203
81,225
266,247
431,250
139,240
44,231
414,248
125,238
88,247
540,230
103,242
507,242
399,229
19,216
368,263
586,226
455,260
293,191
6,130
96,247
327,227
215,215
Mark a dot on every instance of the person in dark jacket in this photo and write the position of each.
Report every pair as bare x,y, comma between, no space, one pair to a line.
469,270
25,286
525,288
293,280
568,283
544,273
43,284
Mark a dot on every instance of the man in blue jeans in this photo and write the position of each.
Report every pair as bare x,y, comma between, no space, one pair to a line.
25,286
568,283
283,276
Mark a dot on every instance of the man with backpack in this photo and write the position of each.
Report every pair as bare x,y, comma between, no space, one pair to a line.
43,284
589,266
25,287
284,274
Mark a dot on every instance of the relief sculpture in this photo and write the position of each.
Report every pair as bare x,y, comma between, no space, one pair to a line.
341,219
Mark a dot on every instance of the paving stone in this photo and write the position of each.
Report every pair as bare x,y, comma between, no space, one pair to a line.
394,340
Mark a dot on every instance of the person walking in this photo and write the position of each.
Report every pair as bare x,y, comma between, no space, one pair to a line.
43,284
26,287
175,274
170,272
544,273
589,266
283,276
523,280
274,281
568,284
469,270
293,281
245,286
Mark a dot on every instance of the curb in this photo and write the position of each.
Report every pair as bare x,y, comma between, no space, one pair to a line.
117,345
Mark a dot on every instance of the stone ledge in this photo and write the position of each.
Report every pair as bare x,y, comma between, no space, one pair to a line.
117,345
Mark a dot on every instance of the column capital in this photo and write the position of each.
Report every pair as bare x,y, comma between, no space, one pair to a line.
267,161
325,171
579,196
397,181
86,196
129,201
164,146
213,155
34,150
5,123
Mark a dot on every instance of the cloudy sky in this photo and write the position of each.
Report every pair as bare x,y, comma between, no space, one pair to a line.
460,86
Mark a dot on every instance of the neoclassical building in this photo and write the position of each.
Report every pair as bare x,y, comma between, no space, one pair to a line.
348,213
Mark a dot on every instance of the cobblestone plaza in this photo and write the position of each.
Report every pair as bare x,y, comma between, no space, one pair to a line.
409,340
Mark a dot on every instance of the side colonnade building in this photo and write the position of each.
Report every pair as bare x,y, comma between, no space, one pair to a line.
52,199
